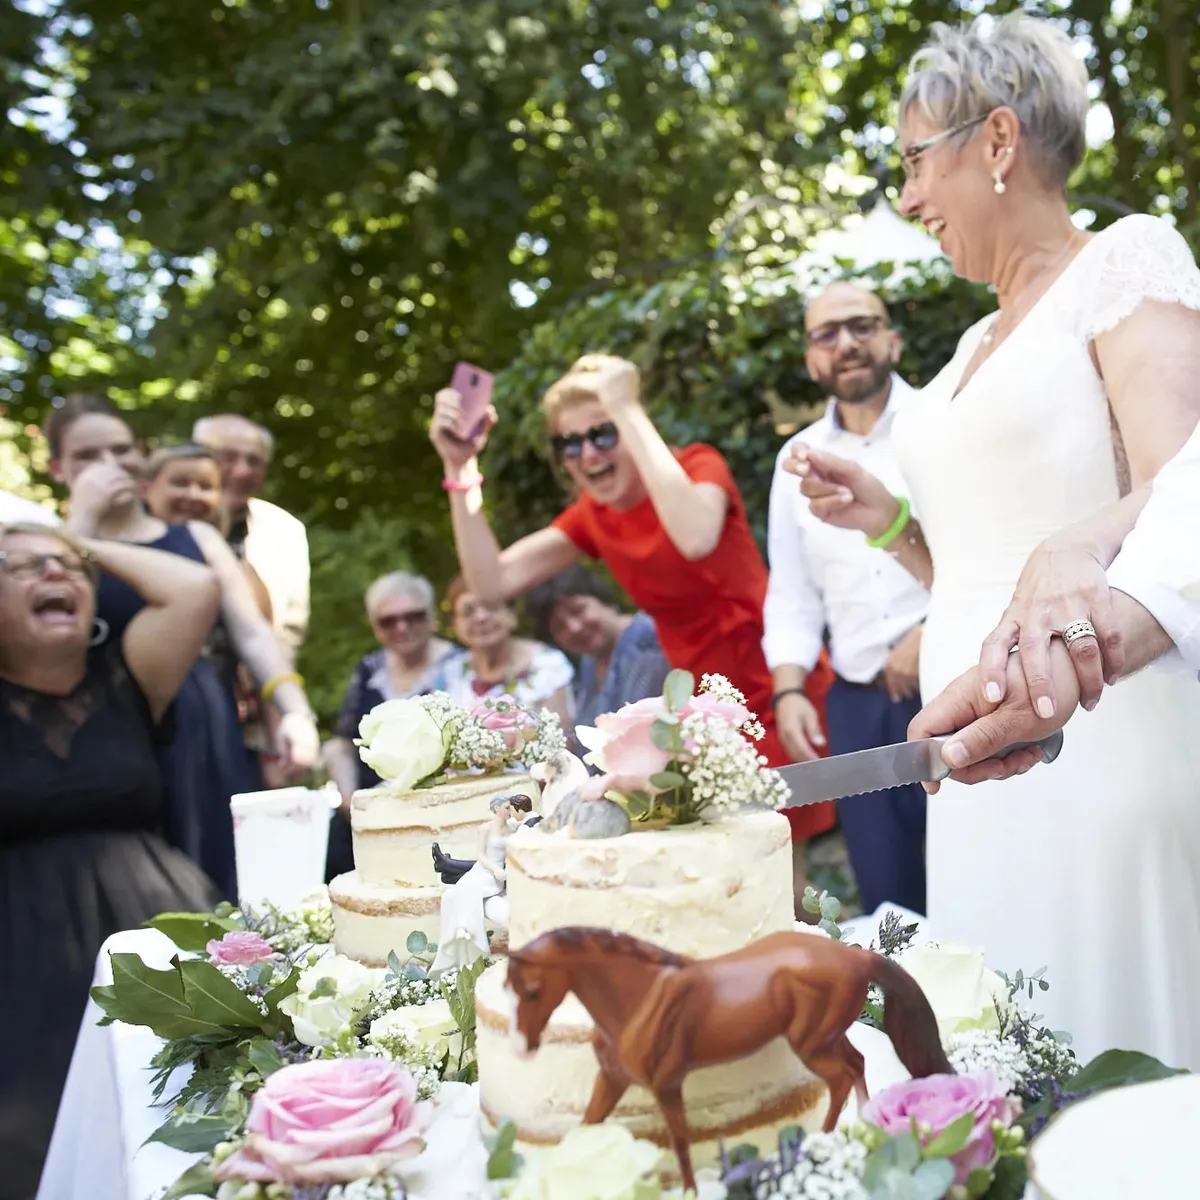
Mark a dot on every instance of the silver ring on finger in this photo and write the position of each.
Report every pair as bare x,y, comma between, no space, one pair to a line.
1077,630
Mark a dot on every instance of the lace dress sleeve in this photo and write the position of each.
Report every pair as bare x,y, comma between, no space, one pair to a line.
1146,259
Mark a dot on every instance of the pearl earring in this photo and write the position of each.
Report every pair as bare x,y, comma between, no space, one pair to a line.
999,185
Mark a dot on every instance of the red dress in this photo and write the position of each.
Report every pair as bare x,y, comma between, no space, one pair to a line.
708,612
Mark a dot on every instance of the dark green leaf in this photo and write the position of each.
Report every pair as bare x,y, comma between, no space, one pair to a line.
215,999
978,1182
679,689
192,932
953,1138
193,1134
264,1057
197,1180
141,995
1118,1068
281,991
1009,1179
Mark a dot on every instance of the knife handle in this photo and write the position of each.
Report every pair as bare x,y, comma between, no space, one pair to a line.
1050,747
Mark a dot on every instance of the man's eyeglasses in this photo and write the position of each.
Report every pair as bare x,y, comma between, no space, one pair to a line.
570,445
910,158
25,565
861,329
409,620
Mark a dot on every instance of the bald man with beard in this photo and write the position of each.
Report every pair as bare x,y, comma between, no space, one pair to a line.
268,537
829,579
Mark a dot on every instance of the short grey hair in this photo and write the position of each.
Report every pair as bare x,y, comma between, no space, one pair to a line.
203,431
1020,62
400,583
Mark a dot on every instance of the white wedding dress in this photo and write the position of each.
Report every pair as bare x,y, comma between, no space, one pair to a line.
1089,866
465,907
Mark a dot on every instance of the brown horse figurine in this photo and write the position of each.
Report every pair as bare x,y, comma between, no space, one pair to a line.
659,1015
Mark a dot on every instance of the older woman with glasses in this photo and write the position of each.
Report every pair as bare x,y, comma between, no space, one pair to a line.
670,525
401,610
81,801
1057,409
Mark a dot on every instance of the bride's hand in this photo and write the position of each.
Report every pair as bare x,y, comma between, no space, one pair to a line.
840,492
1063,582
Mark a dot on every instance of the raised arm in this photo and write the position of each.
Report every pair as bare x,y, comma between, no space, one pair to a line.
491,573
257,645
692,514
163,641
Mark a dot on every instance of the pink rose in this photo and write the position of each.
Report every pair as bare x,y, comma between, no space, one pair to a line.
628,746
512,722
722,710
938,1101
330,1121
239,950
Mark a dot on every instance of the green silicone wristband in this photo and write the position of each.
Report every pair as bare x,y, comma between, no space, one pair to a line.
893,531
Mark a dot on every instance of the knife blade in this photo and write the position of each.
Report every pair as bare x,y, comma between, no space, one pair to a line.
884,767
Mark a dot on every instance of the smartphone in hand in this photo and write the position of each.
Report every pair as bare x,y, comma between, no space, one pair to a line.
474,385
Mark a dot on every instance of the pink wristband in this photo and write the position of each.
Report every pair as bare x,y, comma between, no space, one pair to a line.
454,485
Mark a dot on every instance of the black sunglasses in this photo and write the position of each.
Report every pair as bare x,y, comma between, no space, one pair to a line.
570,445
407,619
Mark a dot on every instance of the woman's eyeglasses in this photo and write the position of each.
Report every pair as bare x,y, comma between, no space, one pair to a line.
570,445
409,620
861,329
24,565
911,157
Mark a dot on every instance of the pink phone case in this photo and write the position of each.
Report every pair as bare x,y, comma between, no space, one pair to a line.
474,385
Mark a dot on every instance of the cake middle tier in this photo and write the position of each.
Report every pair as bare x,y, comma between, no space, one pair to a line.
394,832
699,890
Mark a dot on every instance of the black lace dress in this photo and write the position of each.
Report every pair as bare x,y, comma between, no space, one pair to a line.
80,859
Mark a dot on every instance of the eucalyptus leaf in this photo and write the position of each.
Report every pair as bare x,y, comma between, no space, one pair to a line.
394,964
414,971
665,736
932,1179
417,942
831,907
679,689
667,780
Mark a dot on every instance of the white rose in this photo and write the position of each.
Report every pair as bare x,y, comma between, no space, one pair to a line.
402,743
344,990
593,1162
963,993
427,1025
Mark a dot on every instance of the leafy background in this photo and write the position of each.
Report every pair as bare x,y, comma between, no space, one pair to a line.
308,210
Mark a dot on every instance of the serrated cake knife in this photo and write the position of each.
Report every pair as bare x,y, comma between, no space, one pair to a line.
885,767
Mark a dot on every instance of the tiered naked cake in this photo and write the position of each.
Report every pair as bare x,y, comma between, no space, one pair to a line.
699,890
394,889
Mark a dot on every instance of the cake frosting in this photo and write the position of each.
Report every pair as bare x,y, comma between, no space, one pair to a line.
393,890
699,890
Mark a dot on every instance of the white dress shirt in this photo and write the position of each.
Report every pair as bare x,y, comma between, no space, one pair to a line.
825,577
1159,562
16,510
277,548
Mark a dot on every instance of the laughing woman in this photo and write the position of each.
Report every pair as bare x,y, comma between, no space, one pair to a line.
80,797
670,526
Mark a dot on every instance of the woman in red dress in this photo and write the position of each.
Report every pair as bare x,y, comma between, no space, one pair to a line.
669,525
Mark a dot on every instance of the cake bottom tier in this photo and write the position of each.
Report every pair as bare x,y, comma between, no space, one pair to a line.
744,1102
371,920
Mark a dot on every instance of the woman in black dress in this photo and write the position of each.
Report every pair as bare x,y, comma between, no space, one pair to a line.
94,452
80,788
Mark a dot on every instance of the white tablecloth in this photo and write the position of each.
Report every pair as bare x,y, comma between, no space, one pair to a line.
107,1110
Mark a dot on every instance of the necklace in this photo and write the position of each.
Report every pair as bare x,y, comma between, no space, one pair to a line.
990,336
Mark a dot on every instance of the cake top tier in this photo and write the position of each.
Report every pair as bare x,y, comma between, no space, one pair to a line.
702,889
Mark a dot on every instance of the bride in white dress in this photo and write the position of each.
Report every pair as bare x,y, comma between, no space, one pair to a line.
1083,384
467,904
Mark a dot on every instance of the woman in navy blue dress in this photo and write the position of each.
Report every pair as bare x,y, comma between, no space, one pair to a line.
94,452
